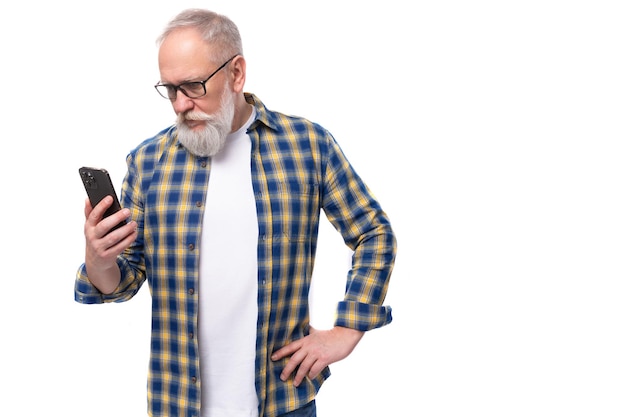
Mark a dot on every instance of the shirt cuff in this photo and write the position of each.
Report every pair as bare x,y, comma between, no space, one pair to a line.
361,316
84,291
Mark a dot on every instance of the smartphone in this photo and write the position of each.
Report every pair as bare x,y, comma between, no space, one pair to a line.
98,185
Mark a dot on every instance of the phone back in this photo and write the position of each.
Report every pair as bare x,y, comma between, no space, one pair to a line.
98,185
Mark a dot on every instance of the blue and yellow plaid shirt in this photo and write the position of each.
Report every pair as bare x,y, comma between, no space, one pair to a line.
297,170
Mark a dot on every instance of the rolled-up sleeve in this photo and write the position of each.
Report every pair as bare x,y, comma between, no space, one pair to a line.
86,293
354,211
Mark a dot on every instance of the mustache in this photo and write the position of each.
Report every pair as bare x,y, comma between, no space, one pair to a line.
195,116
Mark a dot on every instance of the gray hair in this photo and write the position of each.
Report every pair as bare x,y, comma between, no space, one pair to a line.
215,28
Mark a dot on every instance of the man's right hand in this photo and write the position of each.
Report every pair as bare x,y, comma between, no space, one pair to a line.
102,247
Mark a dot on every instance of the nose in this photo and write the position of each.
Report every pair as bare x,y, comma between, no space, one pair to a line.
182,103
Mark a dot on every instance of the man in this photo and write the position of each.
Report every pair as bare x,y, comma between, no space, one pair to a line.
223,211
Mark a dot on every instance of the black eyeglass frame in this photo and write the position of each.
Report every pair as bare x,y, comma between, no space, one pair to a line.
181,87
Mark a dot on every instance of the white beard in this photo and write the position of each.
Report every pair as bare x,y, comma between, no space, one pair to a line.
210,140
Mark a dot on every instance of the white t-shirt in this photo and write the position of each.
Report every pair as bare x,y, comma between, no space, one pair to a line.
228,284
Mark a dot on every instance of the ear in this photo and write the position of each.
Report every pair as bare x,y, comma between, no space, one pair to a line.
238,73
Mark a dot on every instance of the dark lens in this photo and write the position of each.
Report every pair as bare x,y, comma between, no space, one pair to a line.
193,90
171,92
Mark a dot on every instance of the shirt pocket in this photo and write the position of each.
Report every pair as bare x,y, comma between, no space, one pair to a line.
295,208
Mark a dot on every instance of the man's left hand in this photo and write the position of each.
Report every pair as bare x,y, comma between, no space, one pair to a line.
314,352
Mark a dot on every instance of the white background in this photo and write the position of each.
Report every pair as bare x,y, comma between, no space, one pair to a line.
492,132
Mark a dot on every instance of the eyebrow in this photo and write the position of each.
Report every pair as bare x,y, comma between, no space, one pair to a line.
184,81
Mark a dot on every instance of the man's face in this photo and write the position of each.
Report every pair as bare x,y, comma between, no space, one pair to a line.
185,57
205,121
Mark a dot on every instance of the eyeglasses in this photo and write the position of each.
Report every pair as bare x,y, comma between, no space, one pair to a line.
194,89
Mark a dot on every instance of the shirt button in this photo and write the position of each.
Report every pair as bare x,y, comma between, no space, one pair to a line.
194,379
190,291
191,246
198,203
203,164
191,335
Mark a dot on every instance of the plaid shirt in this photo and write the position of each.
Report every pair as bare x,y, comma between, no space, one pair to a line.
297,170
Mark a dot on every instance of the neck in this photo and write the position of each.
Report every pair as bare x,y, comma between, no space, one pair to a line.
242,112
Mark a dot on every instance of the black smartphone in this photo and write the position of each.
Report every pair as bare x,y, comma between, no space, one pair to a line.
98,185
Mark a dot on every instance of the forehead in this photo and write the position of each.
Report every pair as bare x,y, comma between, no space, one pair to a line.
184,56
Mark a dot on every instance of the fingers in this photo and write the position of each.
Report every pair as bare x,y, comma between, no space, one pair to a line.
93,215
103,244
116,240
306,359
96,225
295,360
311,354
294,349
287,350
304,370
304,363
88,208
291,347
